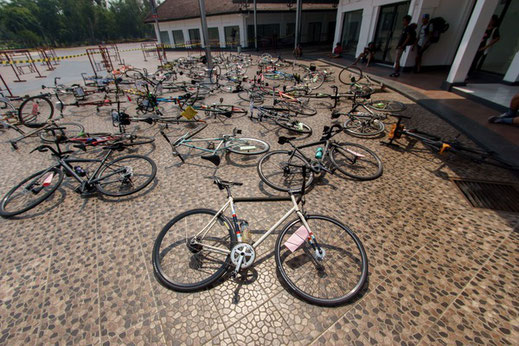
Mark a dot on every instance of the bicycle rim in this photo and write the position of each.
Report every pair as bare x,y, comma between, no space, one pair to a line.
364,127
356,161
386,106
35,111
282,171
126,175
180,260
248,146
30,192
334,279
294,125
67,130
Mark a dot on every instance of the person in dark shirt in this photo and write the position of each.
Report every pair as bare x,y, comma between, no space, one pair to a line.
407,38
367,55
489,39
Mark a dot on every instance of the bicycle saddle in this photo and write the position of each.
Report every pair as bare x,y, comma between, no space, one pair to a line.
215,159
222,184
282,140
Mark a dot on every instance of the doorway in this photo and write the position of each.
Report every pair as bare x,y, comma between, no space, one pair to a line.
350,32
314,32
389,29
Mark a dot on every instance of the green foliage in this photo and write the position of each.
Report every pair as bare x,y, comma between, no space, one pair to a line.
31,23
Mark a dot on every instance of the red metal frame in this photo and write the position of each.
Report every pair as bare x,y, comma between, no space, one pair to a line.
49,56
106,62
14,55
6,87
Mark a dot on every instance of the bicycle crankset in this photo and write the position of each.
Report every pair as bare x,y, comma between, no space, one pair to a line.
242,256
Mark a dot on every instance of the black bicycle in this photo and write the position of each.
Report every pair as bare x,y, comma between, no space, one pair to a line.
120,177
281,169
440,146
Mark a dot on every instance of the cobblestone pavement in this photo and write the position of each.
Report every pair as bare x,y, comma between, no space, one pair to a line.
79,271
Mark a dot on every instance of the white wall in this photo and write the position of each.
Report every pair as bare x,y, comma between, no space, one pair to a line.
455,12
212,21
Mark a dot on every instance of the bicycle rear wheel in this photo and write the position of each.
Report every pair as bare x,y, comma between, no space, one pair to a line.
67,130
356,161
247,146
283,171
126,175
314,80
35,111
30,192
180,260
330,278
386,106
364,127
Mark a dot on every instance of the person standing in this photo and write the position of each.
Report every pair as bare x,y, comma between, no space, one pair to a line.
407,38
489,39
424,41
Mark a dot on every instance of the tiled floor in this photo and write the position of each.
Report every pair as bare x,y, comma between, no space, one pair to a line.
79,270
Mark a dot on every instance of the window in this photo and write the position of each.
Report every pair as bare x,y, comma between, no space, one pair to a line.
267,33
164,37
194,37
178,38
351,32
232,35
214,37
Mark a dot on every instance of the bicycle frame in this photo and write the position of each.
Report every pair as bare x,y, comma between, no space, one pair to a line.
221,142
231,202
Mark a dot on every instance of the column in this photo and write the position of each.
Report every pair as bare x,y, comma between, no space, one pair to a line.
468,47
512,74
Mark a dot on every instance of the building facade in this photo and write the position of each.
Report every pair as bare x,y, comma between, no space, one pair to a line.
231,23
380,21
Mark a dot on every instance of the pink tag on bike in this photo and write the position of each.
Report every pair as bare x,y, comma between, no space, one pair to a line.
354,153
35,108
296,239
48,179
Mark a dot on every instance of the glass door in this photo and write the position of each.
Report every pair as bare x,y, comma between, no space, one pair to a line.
314,32
389,29
351,32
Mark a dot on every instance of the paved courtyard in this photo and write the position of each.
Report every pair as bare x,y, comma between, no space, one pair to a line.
78,271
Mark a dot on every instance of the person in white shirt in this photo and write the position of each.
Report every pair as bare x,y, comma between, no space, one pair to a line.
423,42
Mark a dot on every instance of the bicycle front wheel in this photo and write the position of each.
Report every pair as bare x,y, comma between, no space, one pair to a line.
386,106
283,171
356,161
31,192
248,146
35,111
183,259
330,277
126,175
363,127
67,130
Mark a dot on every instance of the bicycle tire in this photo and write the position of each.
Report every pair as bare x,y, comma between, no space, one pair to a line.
256,97
345,243
8,196
347,71
283,172
298,108
27,110
124,181
71,130
352,163
363,127
294,125
386,106
158,255
314,80
241,146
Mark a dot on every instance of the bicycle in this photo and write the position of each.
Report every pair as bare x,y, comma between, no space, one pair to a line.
365,119
441,146
48,132
282,119
280,169
214,146
117,178
319,258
